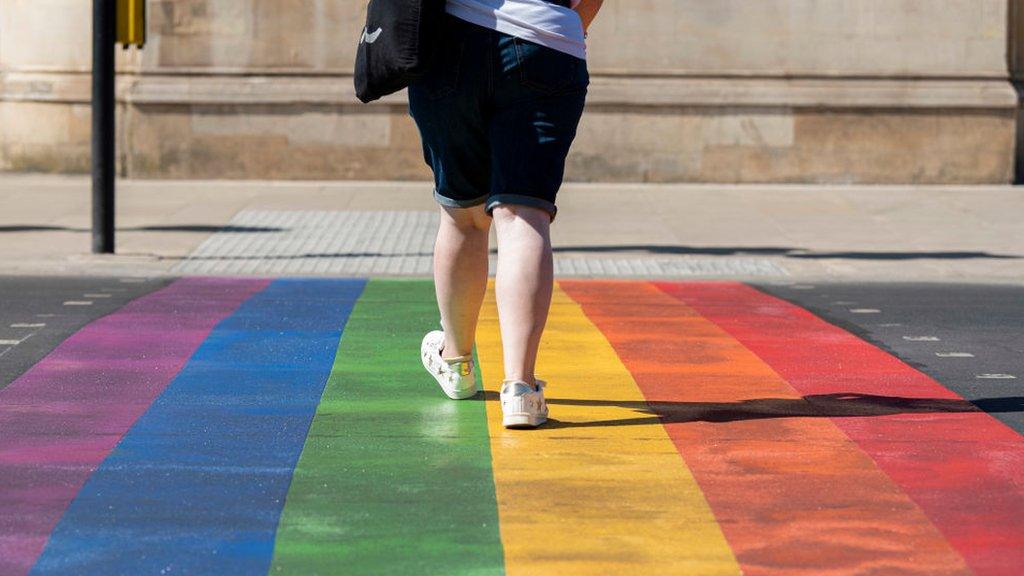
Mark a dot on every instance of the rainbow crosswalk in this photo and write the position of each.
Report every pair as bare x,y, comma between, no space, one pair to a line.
254,426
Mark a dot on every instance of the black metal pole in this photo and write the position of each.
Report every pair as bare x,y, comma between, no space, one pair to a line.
104,23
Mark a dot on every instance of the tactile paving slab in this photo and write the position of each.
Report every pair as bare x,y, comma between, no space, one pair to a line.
396,243
318,242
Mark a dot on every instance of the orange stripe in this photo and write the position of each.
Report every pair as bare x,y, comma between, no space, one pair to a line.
790,490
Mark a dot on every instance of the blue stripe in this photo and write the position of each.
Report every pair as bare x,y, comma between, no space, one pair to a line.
197,485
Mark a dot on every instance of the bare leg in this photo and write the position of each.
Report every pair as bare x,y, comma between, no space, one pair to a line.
460,275
524,285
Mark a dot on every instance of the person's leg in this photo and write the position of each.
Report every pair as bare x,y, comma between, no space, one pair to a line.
446,105
449,106
539,96
460,275
524,285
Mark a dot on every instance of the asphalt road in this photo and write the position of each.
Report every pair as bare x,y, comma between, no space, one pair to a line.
970,338
38,313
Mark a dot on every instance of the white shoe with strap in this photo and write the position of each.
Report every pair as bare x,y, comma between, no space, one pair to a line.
454,375
522,405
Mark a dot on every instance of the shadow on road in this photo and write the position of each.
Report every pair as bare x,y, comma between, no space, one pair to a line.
654,249
838,405
196,228
779,251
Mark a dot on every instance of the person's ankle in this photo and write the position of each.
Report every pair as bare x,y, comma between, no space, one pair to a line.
531,381
460,358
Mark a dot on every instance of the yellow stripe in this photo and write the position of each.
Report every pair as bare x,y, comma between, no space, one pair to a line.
592,499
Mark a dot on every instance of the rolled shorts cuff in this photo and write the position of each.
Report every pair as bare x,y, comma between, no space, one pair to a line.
452,203
499,199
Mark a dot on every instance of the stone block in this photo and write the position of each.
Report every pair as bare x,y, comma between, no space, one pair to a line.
735,145
44,137
293,35
45,34
936,38
663,145
306,142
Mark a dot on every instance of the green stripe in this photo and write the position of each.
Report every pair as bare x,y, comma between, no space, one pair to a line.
394,478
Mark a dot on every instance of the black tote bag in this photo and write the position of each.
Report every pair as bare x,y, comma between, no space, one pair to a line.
396,46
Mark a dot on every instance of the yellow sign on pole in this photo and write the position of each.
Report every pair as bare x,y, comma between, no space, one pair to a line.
131,23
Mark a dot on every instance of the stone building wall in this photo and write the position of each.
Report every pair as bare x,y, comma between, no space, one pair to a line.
916,91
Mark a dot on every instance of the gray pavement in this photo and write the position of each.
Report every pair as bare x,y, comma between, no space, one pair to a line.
804,232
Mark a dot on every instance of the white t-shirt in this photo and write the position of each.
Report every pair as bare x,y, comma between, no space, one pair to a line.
538,21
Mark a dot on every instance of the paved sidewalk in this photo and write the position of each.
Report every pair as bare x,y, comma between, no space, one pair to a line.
963,234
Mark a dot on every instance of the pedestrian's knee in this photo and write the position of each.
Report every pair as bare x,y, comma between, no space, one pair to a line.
469,220
505,213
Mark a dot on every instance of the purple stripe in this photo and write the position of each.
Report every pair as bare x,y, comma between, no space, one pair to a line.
60,419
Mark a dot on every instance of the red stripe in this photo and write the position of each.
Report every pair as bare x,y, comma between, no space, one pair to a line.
791,492
963,468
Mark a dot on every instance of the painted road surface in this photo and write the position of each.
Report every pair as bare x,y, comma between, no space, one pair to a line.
285,426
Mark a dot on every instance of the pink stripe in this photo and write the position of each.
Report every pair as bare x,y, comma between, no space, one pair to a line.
60,419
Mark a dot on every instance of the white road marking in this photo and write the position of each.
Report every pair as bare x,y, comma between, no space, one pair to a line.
890,325
922,338
954,355
844,302
78,303
46,315
24,325
96,295
9,342
10,347
865,311
996,376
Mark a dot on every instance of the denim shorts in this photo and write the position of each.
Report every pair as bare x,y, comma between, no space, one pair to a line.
497,115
